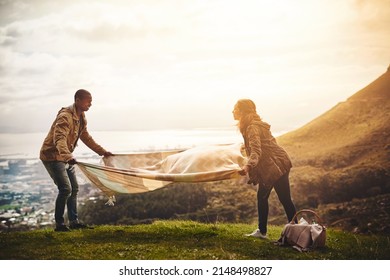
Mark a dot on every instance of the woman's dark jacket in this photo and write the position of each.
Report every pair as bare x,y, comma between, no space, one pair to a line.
266,159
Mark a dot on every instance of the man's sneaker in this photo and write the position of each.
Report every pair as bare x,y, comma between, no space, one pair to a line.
79,226
62,228
257,234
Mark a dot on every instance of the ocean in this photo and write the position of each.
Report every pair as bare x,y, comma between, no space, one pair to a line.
27,145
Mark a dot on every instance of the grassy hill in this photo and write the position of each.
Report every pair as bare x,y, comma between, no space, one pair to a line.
183,240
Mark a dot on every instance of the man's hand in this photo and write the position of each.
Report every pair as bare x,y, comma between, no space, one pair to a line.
72,161
108,154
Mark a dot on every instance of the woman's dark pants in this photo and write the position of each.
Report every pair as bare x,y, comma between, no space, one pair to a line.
282,189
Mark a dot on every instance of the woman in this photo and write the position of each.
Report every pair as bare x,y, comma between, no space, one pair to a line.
268,164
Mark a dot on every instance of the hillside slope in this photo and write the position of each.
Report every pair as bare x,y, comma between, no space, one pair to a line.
356,131
344,154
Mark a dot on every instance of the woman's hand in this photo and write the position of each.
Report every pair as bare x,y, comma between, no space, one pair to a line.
244,170
72,161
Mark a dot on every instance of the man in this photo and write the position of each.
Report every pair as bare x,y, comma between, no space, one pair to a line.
56,155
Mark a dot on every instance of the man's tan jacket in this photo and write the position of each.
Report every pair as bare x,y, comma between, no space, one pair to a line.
64,133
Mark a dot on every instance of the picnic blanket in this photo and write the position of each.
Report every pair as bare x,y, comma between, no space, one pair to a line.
143,172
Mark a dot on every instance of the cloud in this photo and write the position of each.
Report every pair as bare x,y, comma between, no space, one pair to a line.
373,10
156,63
370,20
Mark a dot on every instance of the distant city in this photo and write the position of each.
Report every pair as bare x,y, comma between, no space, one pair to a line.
27,195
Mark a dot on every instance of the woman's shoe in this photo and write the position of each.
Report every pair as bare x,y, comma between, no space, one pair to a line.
257,234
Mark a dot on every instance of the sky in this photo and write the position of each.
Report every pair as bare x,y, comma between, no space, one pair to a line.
174,64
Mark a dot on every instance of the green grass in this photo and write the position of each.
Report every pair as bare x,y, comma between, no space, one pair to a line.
7,207
183,240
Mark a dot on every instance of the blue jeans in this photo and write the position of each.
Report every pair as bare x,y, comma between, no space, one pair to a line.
64,176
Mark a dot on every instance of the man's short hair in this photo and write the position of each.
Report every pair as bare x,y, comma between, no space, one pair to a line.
81,93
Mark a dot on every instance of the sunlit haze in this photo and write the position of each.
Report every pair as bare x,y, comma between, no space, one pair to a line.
183,64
